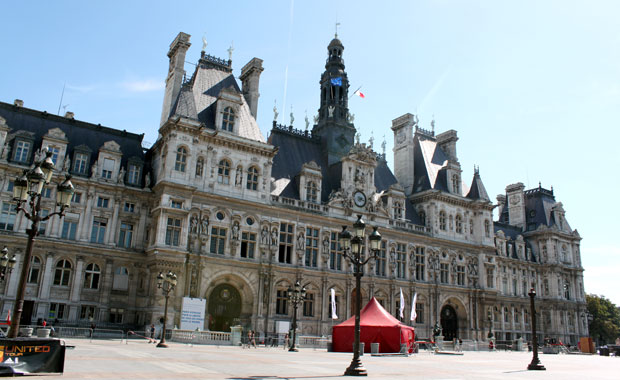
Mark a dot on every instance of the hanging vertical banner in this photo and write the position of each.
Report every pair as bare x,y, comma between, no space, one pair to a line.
193,313
414,314
402,304
333,294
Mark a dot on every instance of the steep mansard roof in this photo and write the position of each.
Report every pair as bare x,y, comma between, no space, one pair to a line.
77,133
539,205
477,190
197,99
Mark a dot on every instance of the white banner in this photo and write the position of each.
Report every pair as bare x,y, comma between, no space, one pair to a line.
193,313
414,314
402,304
333,293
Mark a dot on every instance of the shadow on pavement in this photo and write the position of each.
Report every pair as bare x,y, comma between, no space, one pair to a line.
281,378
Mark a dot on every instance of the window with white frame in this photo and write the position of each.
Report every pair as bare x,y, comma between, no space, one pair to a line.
308,308
460,275
91,276
173,232
218,240
281,302
442,220
228,119
98,231
62,273
22,151
125,235
312,247
69,229
7,216
335,254
80,163
108,168
252,178
87,312
181,160
57,311
133,174
419,263
55,152
381,260
248,244
311,192
459,224
223,172
35,269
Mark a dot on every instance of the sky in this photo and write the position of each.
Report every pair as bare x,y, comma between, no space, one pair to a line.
531,87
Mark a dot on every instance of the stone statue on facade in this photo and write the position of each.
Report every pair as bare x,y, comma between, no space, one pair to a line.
301,240
94,170
330,111
6,151
235,231
264,236
274,236
193,225
275,111
204,226
121,175
292,116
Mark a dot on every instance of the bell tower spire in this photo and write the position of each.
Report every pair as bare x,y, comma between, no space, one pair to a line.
334,123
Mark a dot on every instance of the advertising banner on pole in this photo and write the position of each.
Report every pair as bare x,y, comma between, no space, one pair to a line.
193,313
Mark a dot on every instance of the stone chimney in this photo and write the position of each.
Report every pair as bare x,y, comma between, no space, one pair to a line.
174,80
403,150
515,198
250,75
18,103
69,115
447,143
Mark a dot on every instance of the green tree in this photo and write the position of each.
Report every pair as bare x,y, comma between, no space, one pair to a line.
605,325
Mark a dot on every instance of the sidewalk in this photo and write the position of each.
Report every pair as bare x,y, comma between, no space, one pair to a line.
140,360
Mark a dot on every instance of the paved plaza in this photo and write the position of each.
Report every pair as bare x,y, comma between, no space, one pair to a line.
140,360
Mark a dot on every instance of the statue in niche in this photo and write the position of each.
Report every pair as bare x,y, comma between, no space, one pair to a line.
6,151
274,237
330,111
238,176
264,235
235,231
121,175
301,240
326,248
94,170
147,180
204,226
66,165
193,225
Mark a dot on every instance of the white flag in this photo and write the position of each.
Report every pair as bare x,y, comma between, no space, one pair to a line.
333,292
402,303
414,315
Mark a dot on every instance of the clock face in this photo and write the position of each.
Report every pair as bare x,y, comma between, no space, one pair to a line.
359,198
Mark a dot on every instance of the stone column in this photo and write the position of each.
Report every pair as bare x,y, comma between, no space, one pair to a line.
139,234
11,292
76,287
105,286
110,234
86,217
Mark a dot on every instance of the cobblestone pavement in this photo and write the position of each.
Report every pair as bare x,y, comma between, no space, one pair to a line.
140,360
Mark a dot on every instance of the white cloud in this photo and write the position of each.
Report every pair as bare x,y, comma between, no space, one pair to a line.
144,85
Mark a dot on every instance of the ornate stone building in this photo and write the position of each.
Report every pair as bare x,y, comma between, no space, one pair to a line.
240,218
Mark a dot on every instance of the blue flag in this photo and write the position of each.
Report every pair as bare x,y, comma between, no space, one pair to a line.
336,81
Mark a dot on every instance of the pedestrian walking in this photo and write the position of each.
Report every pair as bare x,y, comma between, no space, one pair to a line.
253,339
285,341
152,333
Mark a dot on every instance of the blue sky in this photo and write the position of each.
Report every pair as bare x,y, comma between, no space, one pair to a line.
532,87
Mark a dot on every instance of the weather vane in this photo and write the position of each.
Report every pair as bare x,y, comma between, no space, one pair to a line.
337,25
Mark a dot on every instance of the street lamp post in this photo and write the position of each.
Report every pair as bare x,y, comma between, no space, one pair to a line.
296,296
352,250
27,191
166,284
535,364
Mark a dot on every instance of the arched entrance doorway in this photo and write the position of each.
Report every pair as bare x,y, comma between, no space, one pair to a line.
362,304
449,322
224,307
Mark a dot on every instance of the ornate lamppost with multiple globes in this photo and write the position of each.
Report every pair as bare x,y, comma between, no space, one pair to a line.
296,296
6,264
352,248
535,364
27,192
167,284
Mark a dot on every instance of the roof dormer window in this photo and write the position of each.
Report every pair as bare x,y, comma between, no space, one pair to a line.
228,119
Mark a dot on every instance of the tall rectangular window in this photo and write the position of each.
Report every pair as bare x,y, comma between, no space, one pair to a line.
218,240
87,312
125,235
490,278
401,260
69,229
443,273
312,246
381,259
281,302
43,223
57,311
129,207
116,315
248,244
286,243
133,175
419,310
108,168
7,216
173,232
79,166
309,305
98,231
335,254
460,275
76,198
22,151
419,264
103,202
55,152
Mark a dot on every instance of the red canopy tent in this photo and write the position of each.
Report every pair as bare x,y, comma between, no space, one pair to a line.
376,326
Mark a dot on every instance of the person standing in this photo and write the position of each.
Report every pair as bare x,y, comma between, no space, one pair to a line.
285,341
152,333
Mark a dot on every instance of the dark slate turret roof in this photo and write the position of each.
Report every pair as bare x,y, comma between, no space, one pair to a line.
477,190
78,133
539,203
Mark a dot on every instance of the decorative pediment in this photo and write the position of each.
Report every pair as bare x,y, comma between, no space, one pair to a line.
111,146
57,134
363,153
230,94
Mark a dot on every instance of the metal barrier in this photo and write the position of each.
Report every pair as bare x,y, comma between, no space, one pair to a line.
200,337
81,332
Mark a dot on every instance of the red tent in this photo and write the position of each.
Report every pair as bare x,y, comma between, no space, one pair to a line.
376,326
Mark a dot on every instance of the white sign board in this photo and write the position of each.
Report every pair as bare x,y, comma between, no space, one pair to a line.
193,313
282,327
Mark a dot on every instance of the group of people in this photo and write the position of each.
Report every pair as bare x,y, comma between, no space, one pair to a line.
251,339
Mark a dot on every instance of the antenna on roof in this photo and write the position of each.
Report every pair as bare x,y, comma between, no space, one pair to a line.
61,97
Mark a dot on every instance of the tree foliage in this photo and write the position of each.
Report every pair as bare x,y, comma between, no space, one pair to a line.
605,325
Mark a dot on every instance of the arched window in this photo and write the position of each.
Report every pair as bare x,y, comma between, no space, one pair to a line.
223,172
471,226
228,119
200,163
35,269
252,178
455,183
563,252
487,228
62,274
398,210
311,192
459,224
181,160
422,217
442,220
91,276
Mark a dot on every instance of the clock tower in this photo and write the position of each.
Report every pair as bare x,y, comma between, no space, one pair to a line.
334,123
